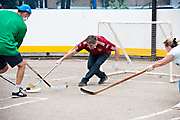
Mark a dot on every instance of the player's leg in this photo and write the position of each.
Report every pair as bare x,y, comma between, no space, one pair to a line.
62,4
20,72
13,61
68,4
95,68
91,60
177,106
101,59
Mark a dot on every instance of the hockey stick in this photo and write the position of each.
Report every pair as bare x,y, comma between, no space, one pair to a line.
125,79
52,87
28,91
33,86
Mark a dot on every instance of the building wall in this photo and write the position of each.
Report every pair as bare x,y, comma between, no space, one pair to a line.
58,30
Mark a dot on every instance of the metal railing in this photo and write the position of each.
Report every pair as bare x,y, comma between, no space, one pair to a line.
77,4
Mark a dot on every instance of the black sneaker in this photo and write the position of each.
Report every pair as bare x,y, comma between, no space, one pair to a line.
102,80
82,84
18,94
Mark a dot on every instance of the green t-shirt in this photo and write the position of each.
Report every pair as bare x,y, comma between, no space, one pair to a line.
12,32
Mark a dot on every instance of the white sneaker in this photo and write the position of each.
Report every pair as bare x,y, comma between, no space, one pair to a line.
176,107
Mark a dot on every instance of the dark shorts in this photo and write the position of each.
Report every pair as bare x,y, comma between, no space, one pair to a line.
11,60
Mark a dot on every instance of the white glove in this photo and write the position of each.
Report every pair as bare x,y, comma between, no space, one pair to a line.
150,68
115,65
59,61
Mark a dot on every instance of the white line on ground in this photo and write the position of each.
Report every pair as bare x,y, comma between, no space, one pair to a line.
39,99
13,99
66,78
147,81
5,98
178,118
158,113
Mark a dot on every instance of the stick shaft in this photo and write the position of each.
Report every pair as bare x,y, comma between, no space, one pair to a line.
31,85
11,82
38,74
125,79
57,64
50,71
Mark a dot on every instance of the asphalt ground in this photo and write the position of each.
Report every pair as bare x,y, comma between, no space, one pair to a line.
145,97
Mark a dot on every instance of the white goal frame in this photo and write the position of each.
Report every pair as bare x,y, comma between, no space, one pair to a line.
159,23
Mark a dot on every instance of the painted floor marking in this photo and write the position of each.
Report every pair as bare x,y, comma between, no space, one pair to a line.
178,118
5,98
148,116
147,81
66,78
13,99
39,99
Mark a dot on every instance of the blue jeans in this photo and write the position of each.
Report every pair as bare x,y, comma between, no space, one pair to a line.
94,63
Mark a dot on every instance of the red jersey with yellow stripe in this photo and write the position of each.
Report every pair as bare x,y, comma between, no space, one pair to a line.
103,46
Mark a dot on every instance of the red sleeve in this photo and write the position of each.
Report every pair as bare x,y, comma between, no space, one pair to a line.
81,46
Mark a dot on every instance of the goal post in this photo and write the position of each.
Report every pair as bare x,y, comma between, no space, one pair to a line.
134,37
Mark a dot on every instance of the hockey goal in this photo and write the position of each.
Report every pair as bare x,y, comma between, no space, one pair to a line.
139,38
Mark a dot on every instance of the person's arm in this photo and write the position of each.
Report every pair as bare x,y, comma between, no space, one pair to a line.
71,53
20,34
115,64
116,54
164,61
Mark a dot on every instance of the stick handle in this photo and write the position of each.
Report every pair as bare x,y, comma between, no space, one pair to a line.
121,81
51,70
57,64
38,74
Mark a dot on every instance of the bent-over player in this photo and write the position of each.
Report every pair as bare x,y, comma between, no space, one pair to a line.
100,49
173,54
12,32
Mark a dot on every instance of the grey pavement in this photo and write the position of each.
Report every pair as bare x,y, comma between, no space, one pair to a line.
144,97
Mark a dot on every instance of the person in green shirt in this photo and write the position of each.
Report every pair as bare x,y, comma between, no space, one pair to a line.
12,32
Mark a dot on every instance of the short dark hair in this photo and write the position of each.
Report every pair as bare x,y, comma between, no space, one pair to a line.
91,39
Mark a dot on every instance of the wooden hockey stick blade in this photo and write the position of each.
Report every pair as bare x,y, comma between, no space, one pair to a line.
31,85
125,79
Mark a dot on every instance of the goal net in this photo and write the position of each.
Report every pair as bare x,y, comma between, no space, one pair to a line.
135,39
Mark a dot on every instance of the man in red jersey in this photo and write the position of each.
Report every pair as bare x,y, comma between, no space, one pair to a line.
100,49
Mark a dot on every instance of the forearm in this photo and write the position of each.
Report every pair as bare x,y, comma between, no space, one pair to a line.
158,64
116,54
164,61
68,55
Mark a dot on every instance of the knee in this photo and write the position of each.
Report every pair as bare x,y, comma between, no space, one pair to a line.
4,69
21,64
96,66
